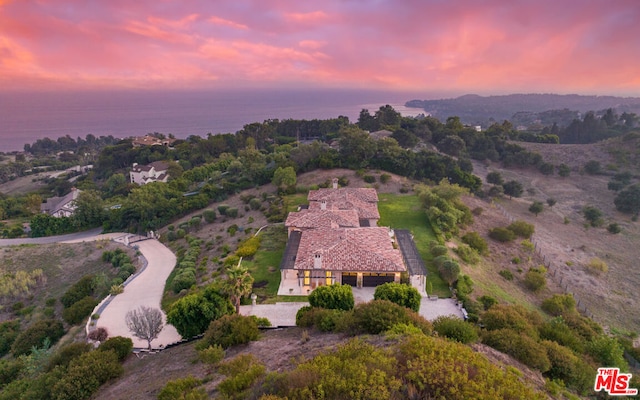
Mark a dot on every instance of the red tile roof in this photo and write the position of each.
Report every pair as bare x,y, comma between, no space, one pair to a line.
323,219
350,249
363,200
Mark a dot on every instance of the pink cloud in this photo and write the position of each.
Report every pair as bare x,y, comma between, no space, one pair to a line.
226,22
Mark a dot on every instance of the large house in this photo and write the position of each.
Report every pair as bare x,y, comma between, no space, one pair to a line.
155,172
152,140
337,240
61,206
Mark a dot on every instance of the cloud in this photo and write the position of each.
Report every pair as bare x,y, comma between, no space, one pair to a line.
226,22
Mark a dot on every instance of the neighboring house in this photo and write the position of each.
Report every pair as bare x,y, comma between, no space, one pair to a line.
150,140
155,172
61,206
336,240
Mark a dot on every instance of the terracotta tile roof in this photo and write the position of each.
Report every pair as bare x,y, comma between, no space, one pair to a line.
323,219
351,249
344,194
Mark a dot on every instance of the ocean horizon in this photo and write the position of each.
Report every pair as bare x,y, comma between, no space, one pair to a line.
28,116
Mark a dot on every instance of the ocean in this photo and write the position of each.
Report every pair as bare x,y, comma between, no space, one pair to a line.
28,116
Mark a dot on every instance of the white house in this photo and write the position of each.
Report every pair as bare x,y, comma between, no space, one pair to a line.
155,172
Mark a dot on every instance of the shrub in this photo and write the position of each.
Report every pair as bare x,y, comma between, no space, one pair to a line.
467,254
379,316
404,295
121,346
209,215
232,229
79,290
192,314
384,178
35,335
487,301
607,352
495,178
520,346
183,280
455,329
231,212
211,355
79,310
592,167
64,355
614,228
592,215
559,304
255,203
475,241
249,247
536,207
597,266
242,372
99,334
222,209
369,178
339,297
501,234
568,368
558,331
521,228
183,388
9,331
535,279
439,250
86,374
323,319
506,274
230,330
449,271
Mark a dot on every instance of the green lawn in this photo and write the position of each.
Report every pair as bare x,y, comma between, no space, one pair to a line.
294,200
405,212
264,267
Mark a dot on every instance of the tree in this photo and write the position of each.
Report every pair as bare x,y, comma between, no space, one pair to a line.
513,189
449,271
452,145
536,207
564,170
404,295
495,178
551,201
192,314
592,167
628,200
284,177
145,323
238,283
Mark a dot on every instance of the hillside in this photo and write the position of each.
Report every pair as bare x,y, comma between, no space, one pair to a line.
481,110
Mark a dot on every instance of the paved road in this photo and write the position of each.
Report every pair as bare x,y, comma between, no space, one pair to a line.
72,237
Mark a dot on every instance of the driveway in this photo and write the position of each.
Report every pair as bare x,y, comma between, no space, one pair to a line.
70,238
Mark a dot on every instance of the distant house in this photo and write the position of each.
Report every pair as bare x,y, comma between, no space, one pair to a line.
381,134
155,172
337,240
61,206
151,140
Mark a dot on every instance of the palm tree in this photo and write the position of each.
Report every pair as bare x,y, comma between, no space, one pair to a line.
238,283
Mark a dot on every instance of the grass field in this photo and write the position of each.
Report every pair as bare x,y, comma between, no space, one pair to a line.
264,266
405,212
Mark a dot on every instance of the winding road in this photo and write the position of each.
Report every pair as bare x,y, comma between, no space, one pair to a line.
145,289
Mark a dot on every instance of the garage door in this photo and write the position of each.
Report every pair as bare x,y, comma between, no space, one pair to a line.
372,280
349,279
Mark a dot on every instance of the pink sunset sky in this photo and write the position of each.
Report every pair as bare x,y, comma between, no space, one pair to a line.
479,46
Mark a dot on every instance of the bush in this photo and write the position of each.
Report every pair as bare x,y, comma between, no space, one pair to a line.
183,388
449,271
455,329
183,280
467,254
255,203
535,279
86,374
506,274
607,352
379,316
231,212
597,266
99,334
242,372
614,228
559,304
501,234
521,228
592,167
338,297
222,209
79,310
121,346
369,178
64,355
81,289
592,215
230,330
9,331
487,301
475,241
35,335
211,355
323,319
439,250
384,178
520,346
404,295
249,247
209,216
568,368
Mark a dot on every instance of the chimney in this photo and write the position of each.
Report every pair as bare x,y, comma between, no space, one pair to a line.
335,183
317,261
323,204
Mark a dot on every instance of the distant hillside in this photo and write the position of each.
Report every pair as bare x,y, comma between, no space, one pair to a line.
480,110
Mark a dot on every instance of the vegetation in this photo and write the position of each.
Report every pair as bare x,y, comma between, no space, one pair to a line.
230,330
455,329
192,314
237,284
332,297
145,323
476,242
401,294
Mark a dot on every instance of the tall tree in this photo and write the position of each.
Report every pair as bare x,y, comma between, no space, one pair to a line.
145,323
238,283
